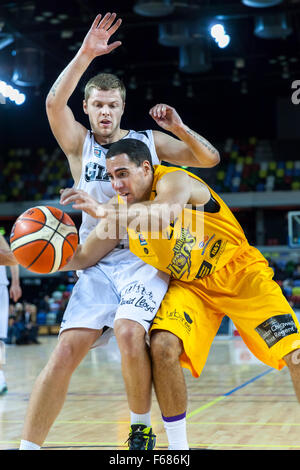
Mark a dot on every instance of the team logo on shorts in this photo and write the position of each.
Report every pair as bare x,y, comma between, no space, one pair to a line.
138,296
183,318
181,262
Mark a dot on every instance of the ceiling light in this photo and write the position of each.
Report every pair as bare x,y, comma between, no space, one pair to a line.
261,3
195,58
176,80
7,91
190,92
6,41
273,26
28,66
218,32
174,34
153,7
149,94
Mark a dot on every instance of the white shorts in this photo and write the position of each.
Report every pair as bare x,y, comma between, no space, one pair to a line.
4,310
120,286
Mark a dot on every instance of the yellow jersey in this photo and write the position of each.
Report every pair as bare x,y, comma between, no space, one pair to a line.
197,243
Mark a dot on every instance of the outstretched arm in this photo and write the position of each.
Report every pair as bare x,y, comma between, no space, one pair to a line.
96,246
173,191
102,239
190,150
69,133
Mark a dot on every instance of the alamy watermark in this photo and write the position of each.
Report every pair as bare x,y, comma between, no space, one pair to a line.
153,221
296,94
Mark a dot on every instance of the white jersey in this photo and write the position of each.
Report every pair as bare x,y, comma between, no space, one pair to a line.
3,276
94,179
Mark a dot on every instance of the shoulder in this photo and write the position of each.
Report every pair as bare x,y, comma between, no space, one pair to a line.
172,179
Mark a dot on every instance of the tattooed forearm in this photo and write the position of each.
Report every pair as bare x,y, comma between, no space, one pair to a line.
202,141
54,87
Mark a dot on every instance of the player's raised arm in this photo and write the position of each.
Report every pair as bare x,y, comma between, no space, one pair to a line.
68,132
191,150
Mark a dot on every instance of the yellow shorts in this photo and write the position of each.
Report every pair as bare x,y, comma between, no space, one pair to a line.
245,291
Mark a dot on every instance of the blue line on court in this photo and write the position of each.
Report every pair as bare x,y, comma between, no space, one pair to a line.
248,382
222,397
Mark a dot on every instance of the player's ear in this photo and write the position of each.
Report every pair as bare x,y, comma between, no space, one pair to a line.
147,166
84,104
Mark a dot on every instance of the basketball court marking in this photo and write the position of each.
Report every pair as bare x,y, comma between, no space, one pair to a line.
227,394
61,444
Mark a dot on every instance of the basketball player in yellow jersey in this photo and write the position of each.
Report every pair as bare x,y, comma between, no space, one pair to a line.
213,275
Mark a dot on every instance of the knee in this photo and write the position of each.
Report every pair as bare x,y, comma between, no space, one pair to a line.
292,360
63,358
130,336
165,348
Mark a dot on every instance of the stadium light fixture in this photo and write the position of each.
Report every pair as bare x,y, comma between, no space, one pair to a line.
13,94
218,32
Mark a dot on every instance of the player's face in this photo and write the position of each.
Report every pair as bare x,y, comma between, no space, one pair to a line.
105,109
133,183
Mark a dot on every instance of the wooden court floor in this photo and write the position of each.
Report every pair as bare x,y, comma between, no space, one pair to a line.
237,404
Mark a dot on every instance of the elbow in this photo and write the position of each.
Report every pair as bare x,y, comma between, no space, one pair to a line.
50,104
216,159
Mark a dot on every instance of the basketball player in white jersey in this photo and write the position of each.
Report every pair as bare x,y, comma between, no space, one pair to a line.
15,292
102,295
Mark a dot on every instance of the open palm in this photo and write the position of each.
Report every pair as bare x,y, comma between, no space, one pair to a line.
96,41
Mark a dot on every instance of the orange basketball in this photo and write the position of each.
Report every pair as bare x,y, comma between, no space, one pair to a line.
44,239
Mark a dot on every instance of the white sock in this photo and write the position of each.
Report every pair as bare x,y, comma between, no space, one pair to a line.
175,427
141,419
2,378
26,445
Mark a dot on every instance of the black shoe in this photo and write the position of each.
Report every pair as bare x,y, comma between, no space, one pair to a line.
141,438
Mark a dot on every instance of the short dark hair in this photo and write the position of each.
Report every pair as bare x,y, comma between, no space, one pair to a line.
136,150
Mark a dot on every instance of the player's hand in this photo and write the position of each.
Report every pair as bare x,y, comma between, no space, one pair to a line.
95,42
166,117
80,200
15,292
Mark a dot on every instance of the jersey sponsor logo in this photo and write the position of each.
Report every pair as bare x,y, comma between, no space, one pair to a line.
215,248
95,172
276,328
204,243
204,270
142,239
181,261
97,152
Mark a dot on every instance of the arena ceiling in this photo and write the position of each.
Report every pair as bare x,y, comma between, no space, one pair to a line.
57,29
250,65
